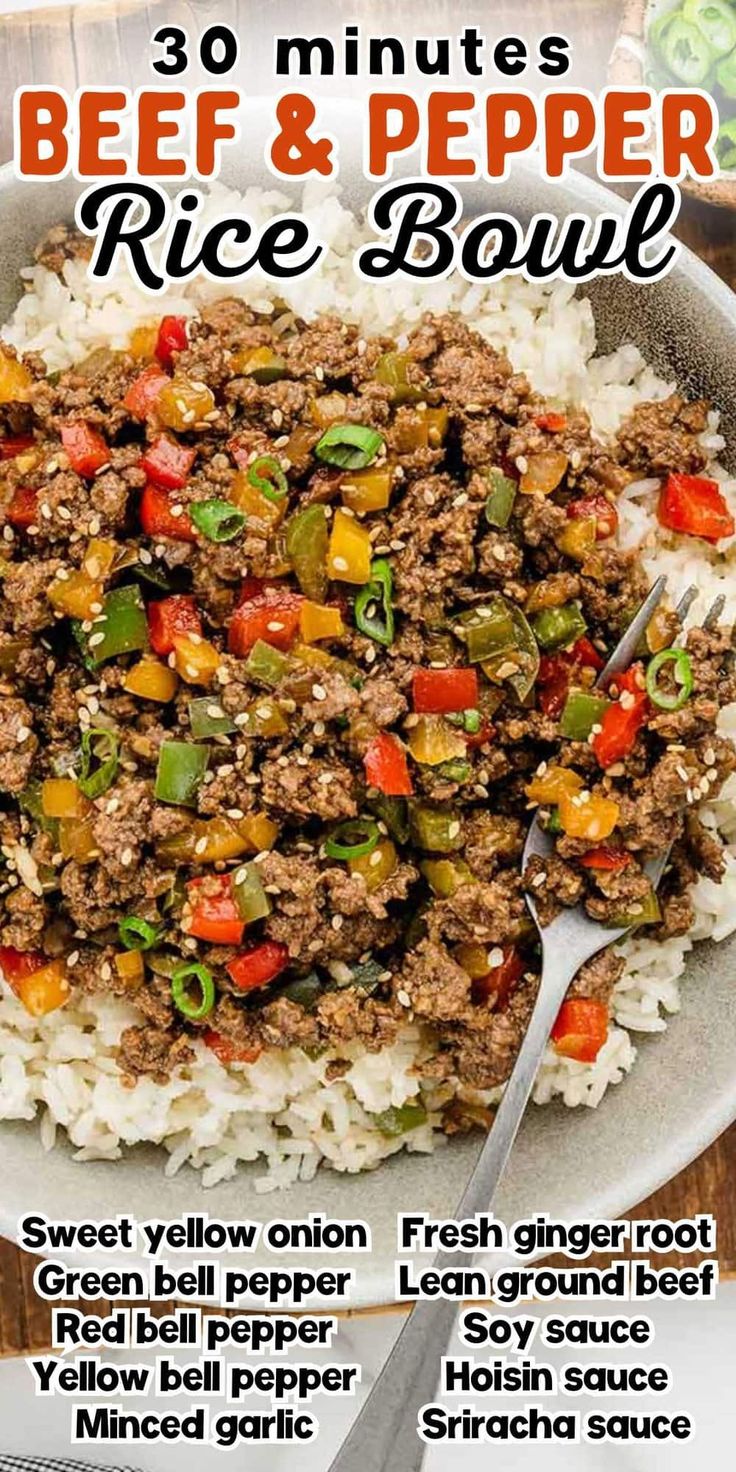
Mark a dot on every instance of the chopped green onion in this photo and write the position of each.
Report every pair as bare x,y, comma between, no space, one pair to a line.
553,824
250,896
471,722
682,675
454,770
349,446
204,721
181,767
267,475
307,538
374,614
218,521
398,1120
102,747
555,627
137,934
500,499
194,1010
581,713
353,839
266,665
120,628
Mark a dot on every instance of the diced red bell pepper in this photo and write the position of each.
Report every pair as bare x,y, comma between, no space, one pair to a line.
606,858
581,1029
259,965
435,692
172,338
144,391
695,505
158,520
170,617
386,766
214,914
85,448
23,509
14,444
554,423
227,1051
481,737
168,463
16,965
599,509
586,656
268,613
500,982
621,724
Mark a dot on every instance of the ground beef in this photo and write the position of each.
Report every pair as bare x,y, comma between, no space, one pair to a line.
18,744
598,977
301,790
663,436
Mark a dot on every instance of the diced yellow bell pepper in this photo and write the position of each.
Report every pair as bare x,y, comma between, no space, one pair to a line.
130,967
349,552
208,840
142,340
593,820
578,538
152,680
376,867
433,740
368,490
312,657
184,402
77,840
263,515
261,832
45,990
553,784
419,429
319,621
76,595
15,380
61,798
473,958
328,408
445,876
265,718
196,660
99,558
262,364
543,473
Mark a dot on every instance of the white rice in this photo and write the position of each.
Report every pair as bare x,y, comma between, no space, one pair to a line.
281,1111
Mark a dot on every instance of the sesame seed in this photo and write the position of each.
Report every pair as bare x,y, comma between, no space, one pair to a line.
22,734
8,534
275,627
113,805
45,510
709,756
495,958
325,778
340,564
461,500
319,692
200,845
319,728
235,813
96,639
105,971
626,700
538,881
126,857
453,829
522,464
337,922
145,556
72,958
403,998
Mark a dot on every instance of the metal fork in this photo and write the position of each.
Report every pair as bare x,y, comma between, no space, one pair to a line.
384,1435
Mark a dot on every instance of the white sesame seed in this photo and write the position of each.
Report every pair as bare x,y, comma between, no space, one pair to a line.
495,958
337,922
538,881
126,857
340,564
22,734
96,639
200,845
319,692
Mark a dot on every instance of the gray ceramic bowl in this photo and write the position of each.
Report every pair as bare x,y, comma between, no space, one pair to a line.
682,1092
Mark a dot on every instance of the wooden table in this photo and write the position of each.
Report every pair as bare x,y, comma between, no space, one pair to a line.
41,49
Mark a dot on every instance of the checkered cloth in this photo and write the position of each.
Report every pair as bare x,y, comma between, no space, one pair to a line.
52,1464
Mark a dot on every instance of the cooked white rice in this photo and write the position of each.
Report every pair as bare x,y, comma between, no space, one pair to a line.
280,1110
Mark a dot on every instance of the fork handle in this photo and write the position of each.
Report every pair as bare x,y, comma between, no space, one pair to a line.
384,1435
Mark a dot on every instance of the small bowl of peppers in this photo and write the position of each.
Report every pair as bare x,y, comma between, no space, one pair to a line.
686,43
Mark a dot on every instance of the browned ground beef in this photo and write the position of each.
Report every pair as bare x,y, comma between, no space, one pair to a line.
396,933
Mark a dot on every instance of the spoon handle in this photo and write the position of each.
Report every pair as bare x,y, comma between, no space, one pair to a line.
384,1435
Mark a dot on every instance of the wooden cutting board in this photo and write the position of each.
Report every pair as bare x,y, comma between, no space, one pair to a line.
105,44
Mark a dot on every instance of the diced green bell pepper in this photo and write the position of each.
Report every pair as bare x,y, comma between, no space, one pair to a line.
181,767
120,628
582,712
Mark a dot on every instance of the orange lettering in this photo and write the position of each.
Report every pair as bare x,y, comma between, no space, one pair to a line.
153,127
381,141
559,143
33,131
502,108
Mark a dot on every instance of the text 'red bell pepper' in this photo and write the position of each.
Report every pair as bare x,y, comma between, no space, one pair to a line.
85,448
158,519
144,391
169,618
214,914
386,766
259,965
497,986
227,1051
598,509
167,463
622,722
23,509
606,858
695,505
581,1029
172,338
437,692
266,612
